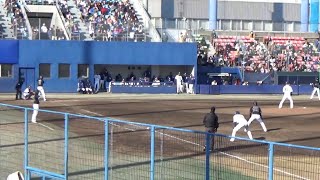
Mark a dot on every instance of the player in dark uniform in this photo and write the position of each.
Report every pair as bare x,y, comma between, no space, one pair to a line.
315,88
35,106
211,124
18,89
255,114
40,87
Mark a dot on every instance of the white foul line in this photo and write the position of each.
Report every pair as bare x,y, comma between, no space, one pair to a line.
45,126
230,155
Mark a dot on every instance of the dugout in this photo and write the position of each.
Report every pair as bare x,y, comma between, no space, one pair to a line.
61,63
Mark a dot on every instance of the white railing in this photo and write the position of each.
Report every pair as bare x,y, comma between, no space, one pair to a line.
27,23
66,30
138,6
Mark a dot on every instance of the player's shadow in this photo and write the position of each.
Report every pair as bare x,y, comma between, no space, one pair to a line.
260,138
274,129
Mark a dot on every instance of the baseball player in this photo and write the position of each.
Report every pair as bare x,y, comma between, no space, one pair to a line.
178,79
191,82
16,176
35,106
287,91
27,93
239,121
211,124
40,87
97,79
255,114
315,89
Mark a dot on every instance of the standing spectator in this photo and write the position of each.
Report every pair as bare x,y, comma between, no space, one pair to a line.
35,106
44,32
164,37
18,89
211,124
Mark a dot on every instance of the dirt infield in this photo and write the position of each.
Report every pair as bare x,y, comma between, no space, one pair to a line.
295,126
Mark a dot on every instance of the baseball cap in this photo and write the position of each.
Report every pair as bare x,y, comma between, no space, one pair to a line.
237,112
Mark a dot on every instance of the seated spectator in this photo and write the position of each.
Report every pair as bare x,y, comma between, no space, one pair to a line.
28,93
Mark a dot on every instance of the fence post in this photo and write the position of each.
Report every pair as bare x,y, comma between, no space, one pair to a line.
106,149
270,170
26,155
66,144
152,132
208,148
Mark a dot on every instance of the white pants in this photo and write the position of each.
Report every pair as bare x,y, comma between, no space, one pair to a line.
43,95
191,91
179,88
35,113
314,92
109,89
286,96
186,87
259,119
238,127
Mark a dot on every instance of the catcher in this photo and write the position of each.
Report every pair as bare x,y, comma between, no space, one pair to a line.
211,124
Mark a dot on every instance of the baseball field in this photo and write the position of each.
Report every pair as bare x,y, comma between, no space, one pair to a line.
179,155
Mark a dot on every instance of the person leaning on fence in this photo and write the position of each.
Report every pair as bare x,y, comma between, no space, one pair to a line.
211,124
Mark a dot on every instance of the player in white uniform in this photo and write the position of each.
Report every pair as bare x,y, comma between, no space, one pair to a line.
40,88
315,89
35,107
255,114
97,79
287,90
240,121
27,93
178,79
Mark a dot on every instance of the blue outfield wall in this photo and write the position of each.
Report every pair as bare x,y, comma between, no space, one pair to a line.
264,89
30,54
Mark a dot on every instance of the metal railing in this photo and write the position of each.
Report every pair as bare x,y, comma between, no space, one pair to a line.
72,146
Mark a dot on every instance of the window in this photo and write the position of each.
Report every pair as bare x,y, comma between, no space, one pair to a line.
44,70
64,71
6,70
83,70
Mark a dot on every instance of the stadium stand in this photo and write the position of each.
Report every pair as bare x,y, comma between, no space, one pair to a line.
111,20
269,54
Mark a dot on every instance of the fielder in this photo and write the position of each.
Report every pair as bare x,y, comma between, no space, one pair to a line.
178,79
287,91
239,121
315,89
35,107
40,87
255,114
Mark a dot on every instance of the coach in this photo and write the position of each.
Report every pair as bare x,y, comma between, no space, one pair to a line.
211,124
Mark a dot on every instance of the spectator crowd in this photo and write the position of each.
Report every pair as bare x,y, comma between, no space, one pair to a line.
111,20
270,54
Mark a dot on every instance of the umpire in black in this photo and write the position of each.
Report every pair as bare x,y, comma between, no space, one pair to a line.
18,89
211,124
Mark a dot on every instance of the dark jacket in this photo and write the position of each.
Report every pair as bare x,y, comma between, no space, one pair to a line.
18,86
211,120
255,110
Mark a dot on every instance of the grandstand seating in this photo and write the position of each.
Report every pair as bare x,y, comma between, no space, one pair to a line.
111,20
290,53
